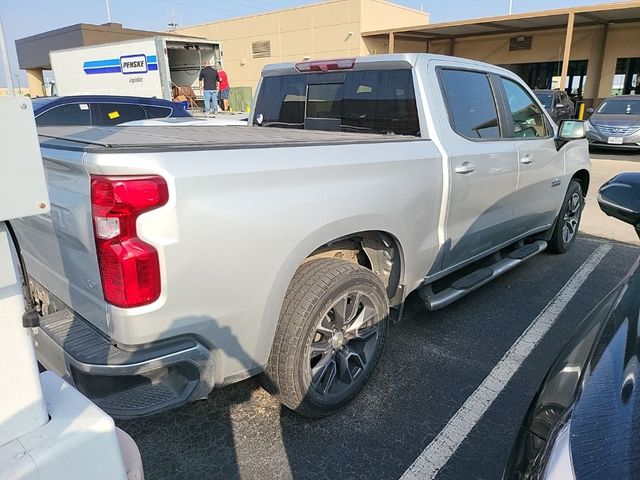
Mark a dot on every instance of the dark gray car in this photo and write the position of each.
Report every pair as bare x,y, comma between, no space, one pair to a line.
616,123
557,103
583,422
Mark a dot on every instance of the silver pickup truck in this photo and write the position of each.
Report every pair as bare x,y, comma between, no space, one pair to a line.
180,259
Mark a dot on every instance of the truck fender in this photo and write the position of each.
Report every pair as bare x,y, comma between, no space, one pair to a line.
340,229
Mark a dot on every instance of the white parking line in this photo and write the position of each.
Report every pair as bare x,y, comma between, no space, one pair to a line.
442,448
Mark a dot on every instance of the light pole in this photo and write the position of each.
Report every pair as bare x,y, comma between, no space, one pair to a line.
108,11
18,82
510,6
5,61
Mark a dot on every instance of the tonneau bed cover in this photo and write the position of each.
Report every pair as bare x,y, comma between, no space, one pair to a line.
136,138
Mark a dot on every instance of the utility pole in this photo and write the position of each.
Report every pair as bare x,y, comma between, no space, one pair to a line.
106,2
18,82
5,62
175,19
510,6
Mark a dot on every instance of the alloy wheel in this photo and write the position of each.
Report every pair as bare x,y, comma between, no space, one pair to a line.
571,217
343,343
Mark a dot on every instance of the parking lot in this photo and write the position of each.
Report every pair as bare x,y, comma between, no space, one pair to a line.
433,362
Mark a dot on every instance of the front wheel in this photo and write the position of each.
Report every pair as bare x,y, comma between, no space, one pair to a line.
566,227
330,335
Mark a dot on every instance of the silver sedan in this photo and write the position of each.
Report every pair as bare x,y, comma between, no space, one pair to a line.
616,123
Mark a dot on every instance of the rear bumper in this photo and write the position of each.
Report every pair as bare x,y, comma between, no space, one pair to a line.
124,383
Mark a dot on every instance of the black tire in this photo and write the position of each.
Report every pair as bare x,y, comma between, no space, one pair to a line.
309,306
567,223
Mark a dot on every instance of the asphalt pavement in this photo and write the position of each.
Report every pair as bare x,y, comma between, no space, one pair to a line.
594,221
432,363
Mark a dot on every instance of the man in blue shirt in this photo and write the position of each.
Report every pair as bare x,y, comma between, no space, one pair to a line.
209,79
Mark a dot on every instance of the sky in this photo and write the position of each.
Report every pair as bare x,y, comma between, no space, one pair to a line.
37,16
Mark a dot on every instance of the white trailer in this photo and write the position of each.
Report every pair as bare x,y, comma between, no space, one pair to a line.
145,67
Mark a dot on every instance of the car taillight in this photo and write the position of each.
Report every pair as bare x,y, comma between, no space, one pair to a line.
129,267
326,65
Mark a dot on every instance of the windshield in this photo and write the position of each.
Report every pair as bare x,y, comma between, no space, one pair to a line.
620,107
546,99
370,101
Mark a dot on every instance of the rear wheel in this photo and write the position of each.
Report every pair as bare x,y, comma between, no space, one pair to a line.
566,228
330,335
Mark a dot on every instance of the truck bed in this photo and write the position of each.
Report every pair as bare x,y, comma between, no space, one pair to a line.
137,138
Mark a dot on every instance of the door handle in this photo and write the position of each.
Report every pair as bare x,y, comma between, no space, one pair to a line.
527,160
465,168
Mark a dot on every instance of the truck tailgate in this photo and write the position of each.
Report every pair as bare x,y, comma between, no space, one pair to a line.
59,247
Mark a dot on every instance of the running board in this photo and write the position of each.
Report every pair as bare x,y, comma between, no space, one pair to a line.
478,278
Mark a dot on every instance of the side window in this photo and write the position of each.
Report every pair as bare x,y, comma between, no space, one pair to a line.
116,113
380,101
157,112
71,114
526,118
470,103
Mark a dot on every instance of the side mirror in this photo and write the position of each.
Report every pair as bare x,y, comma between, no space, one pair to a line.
571,130
590,110
620,198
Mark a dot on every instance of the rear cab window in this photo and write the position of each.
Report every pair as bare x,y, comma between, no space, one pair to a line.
370,101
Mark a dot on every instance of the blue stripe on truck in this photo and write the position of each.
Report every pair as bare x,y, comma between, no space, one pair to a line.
102,63
92,71
112,65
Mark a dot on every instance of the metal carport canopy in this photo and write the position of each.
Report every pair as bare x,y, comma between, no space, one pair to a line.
521,22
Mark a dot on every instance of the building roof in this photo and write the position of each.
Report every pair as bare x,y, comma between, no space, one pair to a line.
605,13
33,51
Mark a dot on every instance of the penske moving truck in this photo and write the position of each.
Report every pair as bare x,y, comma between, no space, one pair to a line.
145,67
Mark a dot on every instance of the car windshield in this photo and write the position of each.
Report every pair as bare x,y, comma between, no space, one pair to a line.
620,107
41,102
546,99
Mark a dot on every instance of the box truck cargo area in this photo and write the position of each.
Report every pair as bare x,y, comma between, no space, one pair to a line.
186,60
148,67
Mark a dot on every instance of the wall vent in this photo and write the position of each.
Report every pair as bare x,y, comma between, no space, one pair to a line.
521,42
261,49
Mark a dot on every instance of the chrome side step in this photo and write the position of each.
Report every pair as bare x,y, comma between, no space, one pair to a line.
482,276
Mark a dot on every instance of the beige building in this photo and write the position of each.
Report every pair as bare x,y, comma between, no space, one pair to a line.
4,91
333,28
593,50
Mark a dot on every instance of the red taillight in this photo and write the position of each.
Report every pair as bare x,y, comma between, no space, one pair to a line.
326,65
129,267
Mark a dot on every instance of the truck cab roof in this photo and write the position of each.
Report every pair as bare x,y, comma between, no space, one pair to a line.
383,61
